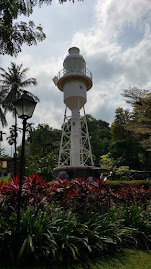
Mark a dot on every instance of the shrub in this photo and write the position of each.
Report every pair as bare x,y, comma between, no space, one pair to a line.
65,221
35,191
79,195
43,166
140,220
54,236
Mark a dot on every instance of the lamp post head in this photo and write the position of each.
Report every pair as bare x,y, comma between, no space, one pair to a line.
25,106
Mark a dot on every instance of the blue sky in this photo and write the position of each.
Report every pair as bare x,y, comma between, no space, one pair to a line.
113,36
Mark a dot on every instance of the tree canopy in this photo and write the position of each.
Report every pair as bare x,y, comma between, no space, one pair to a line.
15,82
125,147
140,122
44,140
118,127
15,34
100,137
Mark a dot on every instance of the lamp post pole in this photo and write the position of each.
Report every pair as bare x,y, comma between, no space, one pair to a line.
22,170
24,106
15,142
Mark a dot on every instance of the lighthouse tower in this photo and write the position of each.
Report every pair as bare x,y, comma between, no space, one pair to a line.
74,80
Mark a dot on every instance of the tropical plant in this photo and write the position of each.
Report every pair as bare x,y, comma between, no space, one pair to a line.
35,191
79,196
15,80
44,140
65,221
43,166
136,217
100,135
108,162
46,236
3,93
11,138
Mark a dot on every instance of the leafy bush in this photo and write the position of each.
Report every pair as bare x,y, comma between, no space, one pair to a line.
54,235
41,165
35,191
140,220
79,195
65,221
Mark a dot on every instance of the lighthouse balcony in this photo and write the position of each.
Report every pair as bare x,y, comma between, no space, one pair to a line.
84,75
65,72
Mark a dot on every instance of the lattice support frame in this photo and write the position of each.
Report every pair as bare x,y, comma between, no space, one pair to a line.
86,158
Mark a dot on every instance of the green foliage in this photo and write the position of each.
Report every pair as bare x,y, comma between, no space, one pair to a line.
42,166
125,147
140,220
118,130
14,35
140,121
80,228
4,179
126,259
99,131
3,93
15,80
126,152
108,162
44,140
124,173
58,236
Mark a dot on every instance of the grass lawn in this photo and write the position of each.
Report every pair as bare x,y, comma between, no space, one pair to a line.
128,259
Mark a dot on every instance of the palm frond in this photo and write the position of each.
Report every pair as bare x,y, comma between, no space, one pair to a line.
14,78
3,118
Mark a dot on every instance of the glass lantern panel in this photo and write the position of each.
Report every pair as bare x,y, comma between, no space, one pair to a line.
19,108
28,108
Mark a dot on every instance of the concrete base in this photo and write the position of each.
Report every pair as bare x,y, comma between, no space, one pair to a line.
70,172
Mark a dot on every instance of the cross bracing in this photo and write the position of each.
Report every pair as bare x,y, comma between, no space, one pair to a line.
65,145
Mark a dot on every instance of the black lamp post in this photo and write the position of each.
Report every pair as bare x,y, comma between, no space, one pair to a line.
25,106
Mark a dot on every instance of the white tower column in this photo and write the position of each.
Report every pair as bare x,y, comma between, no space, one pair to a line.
74,81
75,138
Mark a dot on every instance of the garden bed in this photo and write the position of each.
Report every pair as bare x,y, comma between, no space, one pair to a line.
64,223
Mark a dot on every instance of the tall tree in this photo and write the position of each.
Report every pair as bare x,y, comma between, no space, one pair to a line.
118,127
125,146
134,95
3,93
141,114
14,34
15,79
141,119
100,137
44,140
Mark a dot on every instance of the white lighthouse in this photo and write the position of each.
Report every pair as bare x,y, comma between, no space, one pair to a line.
74,80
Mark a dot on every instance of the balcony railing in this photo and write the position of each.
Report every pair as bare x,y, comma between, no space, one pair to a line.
64,73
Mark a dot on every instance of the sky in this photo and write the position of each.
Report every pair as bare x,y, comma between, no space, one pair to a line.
114,37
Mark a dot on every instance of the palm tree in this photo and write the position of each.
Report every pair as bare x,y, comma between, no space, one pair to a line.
15,79
1,139
3,93
11,138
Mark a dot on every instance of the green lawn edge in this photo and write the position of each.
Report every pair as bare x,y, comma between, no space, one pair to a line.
126,259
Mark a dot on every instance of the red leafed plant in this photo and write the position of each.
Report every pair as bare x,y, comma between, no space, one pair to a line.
134,193
79,195
35,190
